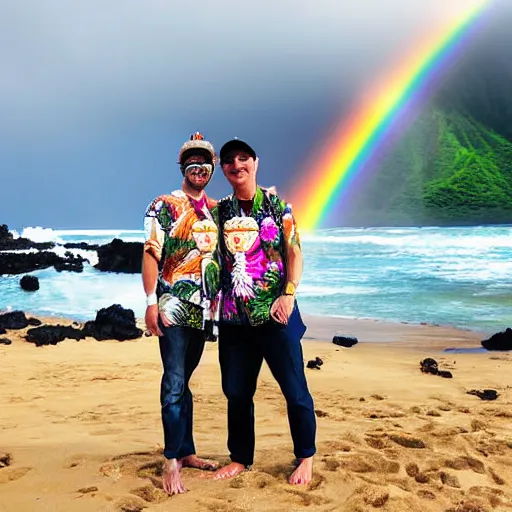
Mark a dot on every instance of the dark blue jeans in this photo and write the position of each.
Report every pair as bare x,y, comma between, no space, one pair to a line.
181,349
242,350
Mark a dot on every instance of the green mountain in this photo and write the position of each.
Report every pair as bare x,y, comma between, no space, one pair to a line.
448,169
453,164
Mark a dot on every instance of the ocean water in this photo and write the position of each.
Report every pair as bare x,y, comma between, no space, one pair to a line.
449,276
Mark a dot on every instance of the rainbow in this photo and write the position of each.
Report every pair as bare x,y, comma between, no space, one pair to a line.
348,151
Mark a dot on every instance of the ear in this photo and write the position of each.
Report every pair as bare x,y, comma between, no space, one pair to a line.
256,162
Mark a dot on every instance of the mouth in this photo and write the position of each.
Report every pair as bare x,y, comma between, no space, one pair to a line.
200,177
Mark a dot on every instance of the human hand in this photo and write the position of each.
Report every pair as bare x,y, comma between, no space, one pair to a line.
282,308
151,320
165,320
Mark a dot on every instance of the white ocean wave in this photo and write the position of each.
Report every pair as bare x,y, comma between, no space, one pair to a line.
308,290
92,256
115,233
39,234
414,242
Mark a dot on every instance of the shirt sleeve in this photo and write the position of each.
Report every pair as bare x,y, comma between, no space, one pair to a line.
153,231
290,229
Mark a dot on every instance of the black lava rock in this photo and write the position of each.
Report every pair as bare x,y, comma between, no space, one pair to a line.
29,283
9,243
315,363
82,245
429,365
5,341
486,394
344,341
13,320
21,263
112,323
70,263
53,334
499,341
119,256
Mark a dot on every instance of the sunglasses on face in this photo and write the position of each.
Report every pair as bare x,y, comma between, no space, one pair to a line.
198,169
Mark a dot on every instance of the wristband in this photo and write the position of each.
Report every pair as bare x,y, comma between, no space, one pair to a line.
151,299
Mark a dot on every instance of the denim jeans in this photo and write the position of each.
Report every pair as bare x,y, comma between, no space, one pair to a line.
242,350
181,349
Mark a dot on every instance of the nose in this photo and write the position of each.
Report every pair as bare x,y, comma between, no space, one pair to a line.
237,163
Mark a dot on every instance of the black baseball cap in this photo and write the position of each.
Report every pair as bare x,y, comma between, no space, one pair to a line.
235,145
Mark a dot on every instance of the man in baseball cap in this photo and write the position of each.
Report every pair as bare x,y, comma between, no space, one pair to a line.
261,265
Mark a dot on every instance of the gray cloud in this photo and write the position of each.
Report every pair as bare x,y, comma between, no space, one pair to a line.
95,86
95,58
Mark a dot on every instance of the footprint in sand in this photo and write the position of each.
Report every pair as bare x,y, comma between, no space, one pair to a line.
87,490
10,474
220,505
150,494
7,472
255,479
306,498
107,432
131,504
462,463
367,495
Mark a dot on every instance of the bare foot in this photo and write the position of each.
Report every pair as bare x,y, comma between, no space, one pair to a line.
303,473
193,461
229,471
171,478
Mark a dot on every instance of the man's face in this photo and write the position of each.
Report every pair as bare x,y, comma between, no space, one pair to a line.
239,168
197,172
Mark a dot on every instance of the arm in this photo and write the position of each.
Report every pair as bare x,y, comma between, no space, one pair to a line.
149,273
150,258
293,264
283,306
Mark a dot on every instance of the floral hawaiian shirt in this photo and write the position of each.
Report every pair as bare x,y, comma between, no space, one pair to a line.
253,256
181,234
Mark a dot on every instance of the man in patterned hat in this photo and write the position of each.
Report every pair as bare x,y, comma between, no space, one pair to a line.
261,265
180,280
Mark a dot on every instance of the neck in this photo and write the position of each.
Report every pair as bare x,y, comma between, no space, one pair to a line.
245,193
192,192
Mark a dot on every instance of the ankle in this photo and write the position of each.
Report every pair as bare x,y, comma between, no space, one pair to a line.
172,464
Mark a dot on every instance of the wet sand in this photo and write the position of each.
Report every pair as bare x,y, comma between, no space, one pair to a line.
80,427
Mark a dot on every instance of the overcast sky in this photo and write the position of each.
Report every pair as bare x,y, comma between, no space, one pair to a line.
96,97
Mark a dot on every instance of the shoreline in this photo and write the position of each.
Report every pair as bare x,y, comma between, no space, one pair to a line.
324,327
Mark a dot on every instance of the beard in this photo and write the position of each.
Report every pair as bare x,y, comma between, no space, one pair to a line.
195,186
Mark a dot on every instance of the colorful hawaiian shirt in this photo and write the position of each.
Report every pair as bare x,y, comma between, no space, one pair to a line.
252,253
181,234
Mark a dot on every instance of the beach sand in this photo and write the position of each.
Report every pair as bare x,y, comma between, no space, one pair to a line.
80,427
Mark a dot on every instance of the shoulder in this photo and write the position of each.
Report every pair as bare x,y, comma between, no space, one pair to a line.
225,200
274,199
162,202
212,203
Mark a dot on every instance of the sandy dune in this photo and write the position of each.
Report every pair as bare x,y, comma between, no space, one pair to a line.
80,427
